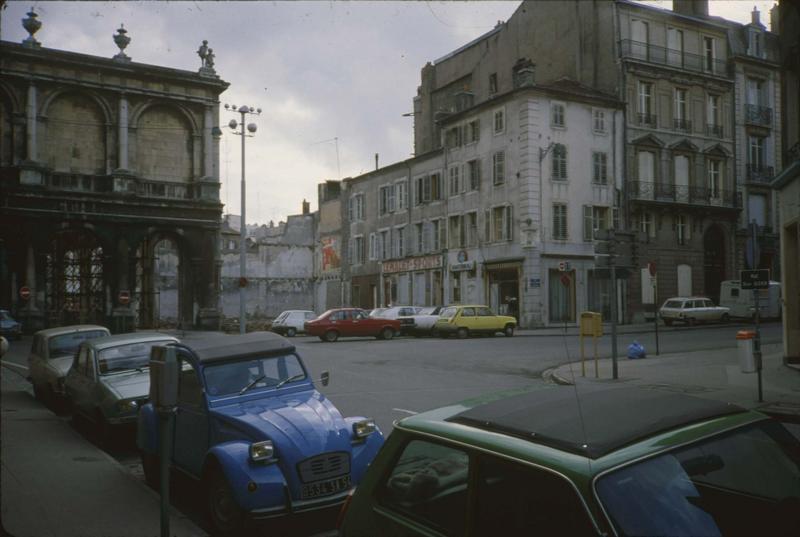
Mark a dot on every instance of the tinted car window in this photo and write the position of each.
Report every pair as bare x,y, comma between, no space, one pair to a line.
339,315
468,312
429,484
361,315
513,499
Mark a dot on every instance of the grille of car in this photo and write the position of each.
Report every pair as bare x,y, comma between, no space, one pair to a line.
324,466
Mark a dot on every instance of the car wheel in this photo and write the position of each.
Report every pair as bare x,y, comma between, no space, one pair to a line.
668,322
509,330
435,333
290,332
725,318
151,466
462,333
691,321
387,333
331,336
226,515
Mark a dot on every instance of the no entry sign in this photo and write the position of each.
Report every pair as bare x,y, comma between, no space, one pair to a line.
124,297
24,293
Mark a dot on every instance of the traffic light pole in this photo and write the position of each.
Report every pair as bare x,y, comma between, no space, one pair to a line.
614,372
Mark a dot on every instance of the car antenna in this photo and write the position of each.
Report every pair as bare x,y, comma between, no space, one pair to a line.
577,396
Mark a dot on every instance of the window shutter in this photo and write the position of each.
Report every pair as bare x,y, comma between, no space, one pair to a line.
487,226
588,223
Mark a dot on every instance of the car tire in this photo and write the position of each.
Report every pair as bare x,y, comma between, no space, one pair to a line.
508,331
725,318
151,466
331,336
387,333
226,516
291,332
435,333
691,321
462,333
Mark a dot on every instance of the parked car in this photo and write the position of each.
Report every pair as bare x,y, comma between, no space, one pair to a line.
254,431
376,312
110,380
8,326
742,303
52,352
692,310
424,320
404,314
290,322
464,321
621,461
351,322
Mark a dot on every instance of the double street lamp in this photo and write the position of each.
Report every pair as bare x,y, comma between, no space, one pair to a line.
244,132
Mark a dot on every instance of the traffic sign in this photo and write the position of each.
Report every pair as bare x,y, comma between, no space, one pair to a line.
652,268
124,297
564,266
24,293
755,279
565,281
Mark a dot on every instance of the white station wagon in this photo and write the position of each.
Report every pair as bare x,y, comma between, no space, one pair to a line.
692,310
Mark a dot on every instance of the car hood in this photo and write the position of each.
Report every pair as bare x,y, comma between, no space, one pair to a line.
128,385
299,424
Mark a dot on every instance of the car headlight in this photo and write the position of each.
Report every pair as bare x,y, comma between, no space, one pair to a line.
127,406
364,428
261,451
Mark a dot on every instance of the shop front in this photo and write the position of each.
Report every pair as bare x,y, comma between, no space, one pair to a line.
502,281
413,281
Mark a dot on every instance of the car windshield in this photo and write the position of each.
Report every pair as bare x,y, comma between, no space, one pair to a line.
426,311
741,483
673,304
67,344
448,312
232,377
282,316
128,357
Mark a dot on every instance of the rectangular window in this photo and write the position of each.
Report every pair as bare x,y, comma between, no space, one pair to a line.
472,229
474,131
557,114
453,137
499,168
754,45
675,47
645,104
401,195
713,116
755,91
456,232
755,154
680,104
499,121
386,244
682,229
492,83
373,246
474,169
400,241
455,182
438,234
487,225
599,120
387,199
709,54
714,178
419,190
647,226
357,251
647,164
437,192
356,208
559,171
600,165
559,221
594,219
419,232
501,223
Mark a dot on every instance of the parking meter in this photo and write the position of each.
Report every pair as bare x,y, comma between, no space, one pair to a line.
164,396
163,377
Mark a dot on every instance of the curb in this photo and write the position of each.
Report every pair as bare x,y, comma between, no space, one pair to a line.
551,376
649,329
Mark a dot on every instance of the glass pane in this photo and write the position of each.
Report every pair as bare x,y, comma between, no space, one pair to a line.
232,377
127,357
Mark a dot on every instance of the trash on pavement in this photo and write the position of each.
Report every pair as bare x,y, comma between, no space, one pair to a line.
636,350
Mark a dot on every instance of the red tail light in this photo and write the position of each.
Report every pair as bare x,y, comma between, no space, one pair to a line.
343,510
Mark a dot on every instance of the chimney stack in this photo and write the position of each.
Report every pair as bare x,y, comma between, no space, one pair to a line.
693,8
774,19
376,161
306,207
755,17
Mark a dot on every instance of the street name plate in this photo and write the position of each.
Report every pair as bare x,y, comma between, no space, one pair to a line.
755,279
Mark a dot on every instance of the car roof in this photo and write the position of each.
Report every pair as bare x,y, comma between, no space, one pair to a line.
602,420
225,347
49,332
131,337
689,298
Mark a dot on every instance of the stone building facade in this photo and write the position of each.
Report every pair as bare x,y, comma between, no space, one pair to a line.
101,160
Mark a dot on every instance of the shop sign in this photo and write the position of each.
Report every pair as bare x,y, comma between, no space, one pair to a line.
536,282
412,263
466,265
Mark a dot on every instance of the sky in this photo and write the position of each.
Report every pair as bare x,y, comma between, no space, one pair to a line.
333,78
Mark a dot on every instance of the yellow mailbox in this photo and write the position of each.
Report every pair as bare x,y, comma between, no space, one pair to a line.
591,324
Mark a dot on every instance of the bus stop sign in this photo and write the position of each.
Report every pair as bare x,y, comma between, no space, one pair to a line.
755,279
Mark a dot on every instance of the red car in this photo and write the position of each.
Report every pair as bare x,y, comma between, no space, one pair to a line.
351,322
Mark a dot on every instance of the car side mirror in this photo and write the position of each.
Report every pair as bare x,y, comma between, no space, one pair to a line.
325,378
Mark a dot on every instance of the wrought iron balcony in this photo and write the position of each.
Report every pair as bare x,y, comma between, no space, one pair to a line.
714,130
673,58
759,174
690,195
757,115
682,124
646,119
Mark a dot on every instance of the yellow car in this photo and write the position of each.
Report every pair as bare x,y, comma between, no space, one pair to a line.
465,320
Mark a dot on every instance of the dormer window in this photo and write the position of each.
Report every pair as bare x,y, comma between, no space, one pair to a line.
755,45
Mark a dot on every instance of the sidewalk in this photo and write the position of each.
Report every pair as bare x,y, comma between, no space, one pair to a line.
713,374
639,328
56,483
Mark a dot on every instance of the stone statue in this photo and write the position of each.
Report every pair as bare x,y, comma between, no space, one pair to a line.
210,59
203,53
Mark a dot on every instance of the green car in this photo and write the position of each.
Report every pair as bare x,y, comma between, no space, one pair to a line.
615,461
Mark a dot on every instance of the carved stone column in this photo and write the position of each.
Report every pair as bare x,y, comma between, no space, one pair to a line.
30,170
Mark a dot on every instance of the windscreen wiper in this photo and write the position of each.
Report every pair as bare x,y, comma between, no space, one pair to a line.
290,379
252,383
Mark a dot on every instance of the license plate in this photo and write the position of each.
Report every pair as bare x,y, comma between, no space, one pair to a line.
325,488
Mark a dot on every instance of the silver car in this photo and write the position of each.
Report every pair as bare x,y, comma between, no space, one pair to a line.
110,379
692,310
52,353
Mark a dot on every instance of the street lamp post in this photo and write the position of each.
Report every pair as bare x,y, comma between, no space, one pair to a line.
243,132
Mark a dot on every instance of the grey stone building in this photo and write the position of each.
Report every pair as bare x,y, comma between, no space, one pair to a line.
101,160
